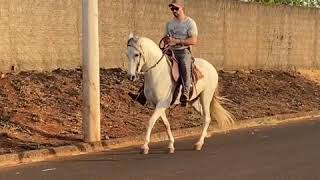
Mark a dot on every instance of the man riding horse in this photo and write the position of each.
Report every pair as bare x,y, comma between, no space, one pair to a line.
160,83
181,33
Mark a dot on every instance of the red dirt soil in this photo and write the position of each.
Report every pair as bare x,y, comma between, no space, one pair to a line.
44,109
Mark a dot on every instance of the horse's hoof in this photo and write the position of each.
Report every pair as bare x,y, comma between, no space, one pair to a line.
170,150
197,147
144,151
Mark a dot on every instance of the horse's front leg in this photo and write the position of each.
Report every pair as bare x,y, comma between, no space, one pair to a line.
155,116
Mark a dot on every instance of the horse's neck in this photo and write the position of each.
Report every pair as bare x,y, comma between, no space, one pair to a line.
157,80
152,56
156,62
158,74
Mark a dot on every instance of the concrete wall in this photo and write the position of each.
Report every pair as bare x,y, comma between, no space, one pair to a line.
39,34
46,34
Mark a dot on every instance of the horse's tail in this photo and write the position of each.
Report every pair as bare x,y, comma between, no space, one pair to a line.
224,118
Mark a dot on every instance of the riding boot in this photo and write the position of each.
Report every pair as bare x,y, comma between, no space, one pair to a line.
184,98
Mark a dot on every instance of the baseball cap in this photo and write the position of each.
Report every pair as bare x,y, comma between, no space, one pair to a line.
177,3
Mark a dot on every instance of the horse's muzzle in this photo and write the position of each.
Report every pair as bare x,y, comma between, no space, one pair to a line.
133,77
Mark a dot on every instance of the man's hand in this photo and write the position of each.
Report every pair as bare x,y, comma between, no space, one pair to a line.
171,41
167,40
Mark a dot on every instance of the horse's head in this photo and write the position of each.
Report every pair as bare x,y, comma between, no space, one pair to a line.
135,57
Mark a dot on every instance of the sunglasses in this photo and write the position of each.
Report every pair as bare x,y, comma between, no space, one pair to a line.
174,8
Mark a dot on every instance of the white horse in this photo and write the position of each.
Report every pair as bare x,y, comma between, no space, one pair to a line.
146,57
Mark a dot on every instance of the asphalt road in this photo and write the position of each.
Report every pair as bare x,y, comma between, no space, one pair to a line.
286,152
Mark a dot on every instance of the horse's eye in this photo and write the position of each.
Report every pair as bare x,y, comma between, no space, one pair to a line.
136,55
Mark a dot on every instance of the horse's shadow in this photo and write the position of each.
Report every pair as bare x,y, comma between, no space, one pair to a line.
153,150
133,155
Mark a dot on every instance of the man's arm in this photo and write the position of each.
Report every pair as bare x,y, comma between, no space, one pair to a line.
189,42
185,42
192,33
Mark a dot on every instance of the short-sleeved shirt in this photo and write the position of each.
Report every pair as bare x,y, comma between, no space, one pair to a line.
181,30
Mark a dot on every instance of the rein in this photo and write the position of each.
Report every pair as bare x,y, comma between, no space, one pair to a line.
165,50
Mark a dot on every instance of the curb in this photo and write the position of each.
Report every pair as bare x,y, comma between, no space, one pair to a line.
84,148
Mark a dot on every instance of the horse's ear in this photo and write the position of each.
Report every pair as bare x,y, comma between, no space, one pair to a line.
131,35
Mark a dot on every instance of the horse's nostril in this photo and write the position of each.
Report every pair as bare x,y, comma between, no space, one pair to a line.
132,78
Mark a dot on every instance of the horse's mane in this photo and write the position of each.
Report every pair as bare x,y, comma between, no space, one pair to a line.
140,41
133,41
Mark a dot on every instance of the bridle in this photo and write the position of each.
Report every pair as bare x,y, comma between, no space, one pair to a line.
138,49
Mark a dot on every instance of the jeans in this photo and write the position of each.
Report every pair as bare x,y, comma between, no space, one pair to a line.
184,61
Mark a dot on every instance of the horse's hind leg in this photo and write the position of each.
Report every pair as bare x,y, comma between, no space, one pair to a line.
205,99
167,124
155,116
